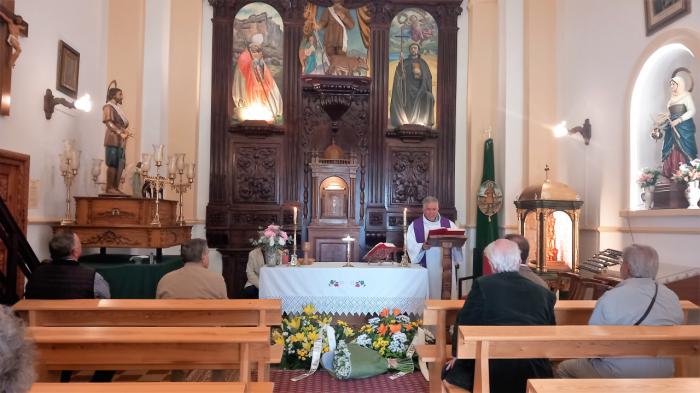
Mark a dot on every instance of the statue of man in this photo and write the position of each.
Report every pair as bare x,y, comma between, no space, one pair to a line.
412,99
336,20
14,27
116,134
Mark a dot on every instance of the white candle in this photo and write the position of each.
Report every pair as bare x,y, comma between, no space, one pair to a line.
405,211
295,215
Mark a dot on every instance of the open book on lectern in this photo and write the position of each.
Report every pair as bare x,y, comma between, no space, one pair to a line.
446,232
381,252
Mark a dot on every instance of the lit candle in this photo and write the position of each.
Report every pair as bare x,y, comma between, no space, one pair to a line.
405,211
295,215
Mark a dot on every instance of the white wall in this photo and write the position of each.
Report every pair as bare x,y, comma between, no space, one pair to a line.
601,43
81,24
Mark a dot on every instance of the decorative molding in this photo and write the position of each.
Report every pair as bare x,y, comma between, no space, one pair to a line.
376,219
412,133
253,218
38,220
256,174
112,238
410,176
256,129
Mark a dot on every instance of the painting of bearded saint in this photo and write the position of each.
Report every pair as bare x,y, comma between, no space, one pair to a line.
413,59
258,64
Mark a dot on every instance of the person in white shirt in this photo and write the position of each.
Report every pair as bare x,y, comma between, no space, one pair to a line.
638,300
422,253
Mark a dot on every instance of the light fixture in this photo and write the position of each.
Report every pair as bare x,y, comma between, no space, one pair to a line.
83,103
561,130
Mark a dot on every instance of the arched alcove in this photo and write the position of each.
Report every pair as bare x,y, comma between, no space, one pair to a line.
649,96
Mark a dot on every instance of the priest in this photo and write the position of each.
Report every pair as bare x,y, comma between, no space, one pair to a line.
421,252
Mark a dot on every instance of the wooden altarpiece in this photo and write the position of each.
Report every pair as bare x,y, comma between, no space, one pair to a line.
259,172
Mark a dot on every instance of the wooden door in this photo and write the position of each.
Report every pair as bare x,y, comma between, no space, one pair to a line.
14,190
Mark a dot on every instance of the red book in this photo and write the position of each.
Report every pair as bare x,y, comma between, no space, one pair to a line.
446,231
381,252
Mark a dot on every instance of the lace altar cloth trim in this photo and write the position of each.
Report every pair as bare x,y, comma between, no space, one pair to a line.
350,306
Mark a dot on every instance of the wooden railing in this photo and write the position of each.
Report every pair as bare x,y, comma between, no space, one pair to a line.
19,254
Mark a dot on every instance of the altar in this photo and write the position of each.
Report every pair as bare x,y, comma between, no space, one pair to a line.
331,288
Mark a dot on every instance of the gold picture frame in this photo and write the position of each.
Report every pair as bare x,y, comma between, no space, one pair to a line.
660,13
68,70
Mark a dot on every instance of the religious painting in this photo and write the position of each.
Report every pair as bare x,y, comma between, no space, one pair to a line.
413,53
659,13
335,40
490,198
258,65
68,70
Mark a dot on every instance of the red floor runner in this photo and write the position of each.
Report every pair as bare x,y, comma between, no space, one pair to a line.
323,382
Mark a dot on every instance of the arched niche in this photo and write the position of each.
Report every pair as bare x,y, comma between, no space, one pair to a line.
648,96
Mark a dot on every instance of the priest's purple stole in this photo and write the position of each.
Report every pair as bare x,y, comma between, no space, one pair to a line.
419,230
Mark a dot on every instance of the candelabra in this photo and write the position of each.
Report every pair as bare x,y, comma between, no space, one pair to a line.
347,239
405,260
155,182
70,163
293,260
176,167
95,171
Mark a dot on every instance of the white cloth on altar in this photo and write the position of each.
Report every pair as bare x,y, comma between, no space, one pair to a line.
331,288
433,257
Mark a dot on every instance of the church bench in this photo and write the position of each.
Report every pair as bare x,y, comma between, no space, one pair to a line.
149,348
482,343
155,312
443,313
153,387
642,385
151,312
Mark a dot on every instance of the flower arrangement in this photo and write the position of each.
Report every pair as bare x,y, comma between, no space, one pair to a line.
299,333
648,177
390,333
688,173
271,239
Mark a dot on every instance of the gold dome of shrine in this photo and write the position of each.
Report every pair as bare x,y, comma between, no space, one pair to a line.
549,190
333,152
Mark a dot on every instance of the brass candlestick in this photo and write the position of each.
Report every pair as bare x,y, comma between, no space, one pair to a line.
405,260
182,187
155,183
293,260
347,239
70,162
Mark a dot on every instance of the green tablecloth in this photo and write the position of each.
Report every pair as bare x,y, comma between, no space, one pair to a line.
129,280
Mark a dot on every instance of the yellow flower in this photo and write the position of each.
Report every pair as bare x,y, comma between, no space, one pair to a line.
313,336
299,336
294,323
309,309
325,349
348,331
306,345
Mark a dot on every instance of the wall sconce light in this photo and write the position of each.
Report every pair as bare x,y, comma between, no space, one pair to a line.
83,103
561,130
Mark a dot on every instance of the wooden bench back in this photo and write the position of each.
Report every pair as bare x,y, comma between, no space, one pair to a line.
149,348
641,385
154,387
523,342
151,312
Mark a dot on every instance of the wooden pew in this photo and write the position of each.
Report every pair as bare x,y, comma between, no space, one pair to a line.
156,312
151,312
148,348
153,387
442,313
642,385
482,343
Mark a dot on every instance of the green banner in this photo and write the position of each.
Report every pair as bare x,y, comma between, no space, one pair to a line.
486,230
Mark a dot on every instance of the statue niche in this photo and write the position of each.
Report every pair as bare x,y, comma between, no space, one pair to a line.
333,217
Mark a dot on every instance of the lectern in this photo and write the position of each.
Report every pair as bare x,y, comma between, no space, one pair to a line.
446,242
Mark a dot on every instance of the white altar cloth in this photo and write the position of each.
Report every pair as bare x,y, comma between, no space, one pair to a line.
362,289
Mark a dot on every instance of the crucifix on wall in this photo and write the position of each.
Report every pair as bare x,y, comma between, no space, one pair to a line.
12,26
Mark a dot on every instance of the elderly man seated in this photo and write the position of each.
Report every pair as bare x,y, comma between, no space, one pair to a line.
503,298
638,300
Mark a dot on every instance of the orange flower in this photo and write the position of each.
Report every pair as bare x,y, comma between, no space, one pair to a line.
408,327
384,312
396,311
381,329
395,328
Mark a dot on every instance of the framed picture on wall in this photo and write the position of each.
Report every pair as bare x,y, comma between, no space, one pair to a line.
659,13
68,70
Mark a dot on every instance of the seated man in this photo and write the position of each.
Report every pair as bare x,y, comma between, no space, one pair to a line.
16,354
524,269
256,260
193,281
503,298
64,278
638,300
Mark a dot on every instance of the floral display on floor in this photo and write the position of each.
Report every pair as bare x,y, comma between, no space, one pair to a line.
390,333
381,345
